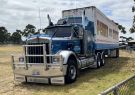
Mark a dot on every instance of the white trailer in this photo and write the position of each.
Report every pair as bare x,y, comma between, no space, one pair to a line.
105,30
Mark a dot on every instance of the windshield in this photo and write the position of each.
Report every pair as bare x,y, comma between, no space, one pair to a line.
59,31
70,20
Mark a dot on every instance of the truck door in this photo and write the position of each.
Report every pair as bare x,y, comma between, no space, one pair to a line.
78,34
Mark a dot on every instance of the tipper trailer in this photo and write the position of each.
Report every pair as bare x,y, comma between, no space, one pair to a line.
81,39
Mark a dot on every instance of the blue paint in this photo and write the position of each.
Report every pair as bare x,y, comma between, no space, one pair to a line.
101,46
64,45
90,33
90,27
91,47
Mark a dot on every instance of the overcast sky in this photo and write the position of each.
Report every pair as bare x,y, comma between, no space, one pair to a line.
16,14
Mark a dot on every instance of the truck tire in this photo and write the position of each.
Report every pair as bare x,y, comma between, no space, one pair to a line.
102,59
98,60
117,53
71,74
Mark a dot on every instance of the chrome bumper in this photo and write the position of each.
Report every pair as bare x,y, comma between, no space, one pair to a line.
37,74
35,79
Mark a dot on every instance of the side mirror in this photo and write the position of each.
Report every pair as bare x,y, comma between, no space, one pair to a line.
76,29
76,32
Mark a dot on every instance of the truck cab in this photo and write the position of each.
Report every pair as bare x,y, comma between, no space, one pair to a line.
63,45
65,37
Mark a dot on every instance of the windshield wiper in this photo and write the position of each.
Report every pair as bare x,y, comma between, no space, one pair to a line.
53,34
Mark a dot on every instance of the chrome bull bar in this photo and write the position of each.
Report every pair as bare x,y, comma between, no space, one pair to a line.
16,58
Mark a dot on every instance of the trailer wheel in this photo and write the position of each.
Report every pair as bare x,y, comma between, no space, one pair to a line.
98,60
102,59
71,74
117,53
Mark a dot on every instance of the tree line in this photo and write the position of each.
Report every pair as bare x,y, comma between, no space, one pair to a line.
16,37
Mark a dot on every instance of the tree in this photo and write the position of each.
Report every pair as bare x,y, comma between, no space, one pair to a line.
28,31
38,32
3,34
126,39
121,28
130,38
16,37
132,30
19,31
8,37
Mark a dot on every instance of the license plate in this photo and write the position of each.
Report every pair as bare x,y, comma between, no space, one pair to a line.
37,80
20,78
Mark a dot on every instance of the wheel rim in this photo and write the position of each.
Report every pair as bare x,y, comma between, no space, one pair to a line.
99,63
72,72
103,60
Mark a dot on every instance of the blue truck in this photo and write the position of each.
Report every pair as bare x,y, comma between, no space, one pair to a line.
81,39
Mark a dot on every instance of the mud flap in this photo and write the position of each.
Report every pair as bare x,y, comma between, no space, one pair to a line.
19,78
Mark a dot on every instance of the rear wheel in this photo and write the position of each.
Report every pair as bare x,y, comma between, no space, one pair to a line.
98,60
102,59
117,53
71,74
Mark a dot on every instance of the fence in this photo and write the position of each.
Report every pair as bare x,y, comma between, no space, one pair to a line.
130,48
126,87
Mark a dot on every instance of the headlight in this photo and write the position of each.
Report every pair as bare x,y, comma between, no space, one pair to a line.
56,59
21,59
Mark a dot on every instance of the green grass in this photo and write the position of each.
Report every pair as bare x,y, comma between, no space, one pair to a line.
90,81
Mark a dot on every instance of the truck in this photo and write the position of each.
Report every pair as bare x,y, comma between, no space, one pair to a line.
81,39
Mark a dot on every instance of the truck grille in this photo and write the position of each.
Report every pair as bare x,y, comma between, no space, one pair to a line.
36,50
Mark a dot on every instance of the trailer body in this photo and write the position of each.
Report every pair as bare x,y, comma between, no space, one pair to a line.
107,40
81,39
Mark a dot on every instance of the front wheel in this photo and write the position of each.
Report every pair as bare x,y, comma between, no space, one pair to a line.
71,75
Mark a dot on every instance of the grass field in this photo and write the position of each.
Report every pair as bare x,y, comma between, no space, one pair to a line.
90,81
